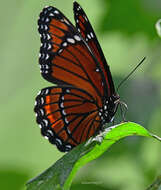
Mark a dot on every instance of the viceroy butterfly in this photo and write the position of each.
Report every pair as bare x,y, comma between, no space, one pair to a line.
84,98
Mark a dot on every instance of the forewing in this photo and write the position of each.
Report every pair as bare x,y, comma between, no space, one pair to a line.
65,58
84,27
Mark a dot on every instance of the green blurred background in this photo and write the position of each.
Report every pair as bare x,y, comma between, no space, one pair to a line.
126,31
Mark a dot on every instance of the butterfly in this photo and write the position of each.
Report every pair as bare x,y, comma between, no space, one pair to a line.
84,98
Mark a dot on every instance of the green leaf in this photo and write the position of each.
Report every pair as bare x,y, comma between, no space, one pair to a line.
60,175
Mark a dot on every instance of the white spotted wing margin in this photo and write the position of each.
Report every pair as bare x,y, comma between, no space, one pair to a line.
53,36
64,56
67,116
86,30
68,59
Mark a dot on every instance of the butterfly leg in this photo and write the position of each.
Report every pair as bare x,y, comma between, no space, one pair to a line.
123,109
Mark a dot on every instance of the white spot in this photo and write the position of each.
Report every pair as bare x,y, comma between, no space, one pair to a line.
66,21
51,14
67,90
46,137
35,103
63,112
66,121
60,50
88,35
49,46
62,97
71,40
77,38
47,20
42,100
45,11
47,56
44,35
50,132
78,8
58,141
45,121
62,105
42,112
41,44
86,39
97,70
86,18
48,37
41,66
64,44
44,45
78,29
68,131
77,21
92,36
40,126
56,12
46,91
46,28
46,72
36,114
105,107
99,113
106,114
68,146
39,55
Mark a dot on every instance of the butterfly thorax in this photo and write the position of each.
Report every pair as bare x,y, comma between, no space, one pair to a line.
109,108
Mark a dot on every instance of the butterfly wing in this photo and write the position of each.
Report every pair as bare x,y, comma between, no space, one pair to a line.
84,27
75,110
65,58
67,116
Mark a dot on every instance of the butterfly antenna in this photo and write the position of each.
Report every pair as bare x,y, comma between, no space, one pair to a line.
130,73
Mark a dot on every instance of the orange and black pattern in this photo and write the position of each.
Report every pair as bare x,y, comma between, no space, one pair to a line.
64,57
84,27
67,116
85,99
